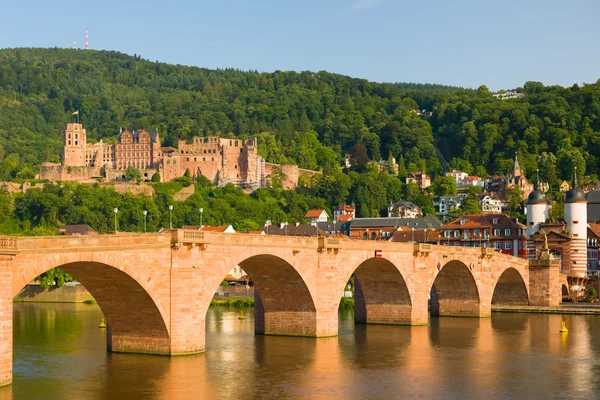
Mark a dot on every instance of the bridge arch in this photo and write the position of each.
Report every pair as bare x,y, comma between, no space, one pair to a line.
510,289
128,295
381,295
454,291
284,304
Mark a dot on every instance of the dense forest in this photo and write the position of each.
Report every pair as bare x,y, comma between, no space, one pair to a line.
309,118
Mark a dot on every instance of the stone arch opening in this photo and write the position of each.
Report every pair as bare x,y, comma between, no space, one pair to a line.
381,295
134,322
454,292
510,289
565,291
283,304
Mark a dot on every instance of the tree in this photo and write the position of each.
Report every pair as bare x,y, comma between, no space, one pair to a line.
359,158
132,174
514,197
156,177
53,277
444,186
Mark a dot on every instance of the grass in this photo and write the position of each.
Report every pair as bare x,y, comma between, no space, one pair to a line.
235,303
169,188
89,301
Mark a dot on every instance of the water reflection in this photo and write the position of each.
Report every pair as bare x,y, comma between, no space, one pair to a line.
60,353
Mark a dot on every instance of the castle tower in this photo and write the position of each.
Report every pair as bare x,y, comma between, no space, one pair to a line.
74,148
537,213
576,221
516,167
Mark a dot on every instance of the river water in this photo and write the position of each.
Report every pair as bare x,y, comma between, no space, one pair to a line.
59,353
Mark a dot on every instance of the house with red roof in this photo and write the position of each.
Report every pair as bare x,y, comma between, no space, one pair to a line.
314,216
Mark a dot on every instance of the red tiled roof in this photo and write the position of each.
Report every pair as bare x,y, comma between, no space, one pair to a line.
345,217
313,213
345,207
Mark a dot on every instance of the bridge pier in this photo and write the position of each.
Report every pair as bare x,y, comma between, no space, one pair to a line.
7,253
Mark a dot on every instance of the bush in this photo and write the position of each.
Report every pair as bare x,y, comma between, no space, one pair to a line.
592,292
155,177
346,303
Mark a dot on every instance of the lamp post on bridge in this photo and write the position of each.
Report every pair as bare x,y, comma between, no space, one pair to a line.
170,216
267,224
145,214
115,210
201,212
285,224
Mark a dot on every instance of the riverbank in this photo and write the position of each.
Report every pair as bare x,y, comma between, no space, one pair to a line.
565,308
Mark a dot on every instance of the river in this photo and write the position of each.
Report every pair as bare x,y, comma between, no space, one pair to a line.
59,353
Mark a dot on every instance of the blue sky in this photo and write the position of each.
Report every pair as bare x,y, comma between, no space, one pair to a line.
501,44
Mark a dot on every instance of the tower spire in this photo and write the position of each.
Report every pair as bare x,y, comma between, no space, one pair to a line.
574,177
537,179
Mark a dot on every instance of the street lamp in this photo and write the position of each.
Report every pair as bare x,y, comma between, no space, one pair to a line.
267,224
115,210
170,216
145,214
413,234
201,211
285,224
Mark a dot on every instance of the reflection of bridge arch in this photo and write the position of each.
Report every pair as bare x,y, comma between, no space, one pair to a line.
454,291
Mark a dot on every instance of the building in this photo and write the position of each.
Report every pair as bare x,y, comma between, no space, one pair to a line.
75,230
593,206
420,178
517,178
564,186
384,228
568,240
457,175
344,209
220,160
446,204
404,209
490,203
408,235
593,257
471,180
498,231
284,229
509,94
314,216
205,228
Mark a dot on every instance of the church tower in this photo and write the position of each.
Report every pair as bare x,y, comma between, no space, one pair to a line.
576,221
538,207
74,149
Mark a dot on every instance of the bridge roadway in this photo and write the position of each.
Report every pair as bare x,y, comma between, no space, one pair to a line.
155,289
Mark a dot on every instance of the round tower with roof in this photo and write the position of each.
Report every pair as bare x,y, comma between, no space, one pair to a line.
538,208
576,221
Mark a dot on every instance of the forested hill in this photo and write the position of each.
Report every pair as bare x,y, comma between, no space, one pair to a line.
308,118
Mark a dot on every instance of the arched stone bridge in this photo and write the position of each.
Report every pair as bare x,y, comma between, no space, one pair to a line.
155,289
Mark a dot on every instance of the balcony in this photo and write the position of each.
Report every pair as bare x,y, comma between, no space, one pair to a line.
329,244
188,237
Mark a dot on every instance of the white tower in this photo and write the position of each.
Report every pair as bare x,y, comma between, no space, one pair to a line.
538,207
576,221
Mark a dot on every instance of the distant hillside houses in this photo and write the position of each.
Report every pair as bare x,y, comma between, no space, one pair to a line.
509,94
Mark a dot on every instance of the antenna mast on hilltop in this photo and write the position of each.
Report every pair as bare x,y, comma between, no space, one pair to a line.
74,44
86,38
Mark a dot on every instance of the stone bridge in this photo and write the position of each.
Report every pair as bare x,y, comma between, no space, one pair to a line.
155,289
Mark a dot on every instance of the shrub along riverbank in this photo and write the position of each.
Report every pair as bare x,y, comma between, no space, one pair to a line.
345,303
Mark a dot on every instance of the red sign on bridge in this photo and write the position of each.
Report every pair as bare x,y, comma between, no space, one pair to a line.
378,253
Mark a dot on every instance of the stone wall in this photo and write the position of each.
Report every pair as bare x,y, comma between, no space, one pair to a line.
63,294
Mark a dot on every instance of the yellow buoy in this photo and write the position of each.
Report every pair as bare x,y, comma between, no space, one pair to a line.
241,315
564,329
102,324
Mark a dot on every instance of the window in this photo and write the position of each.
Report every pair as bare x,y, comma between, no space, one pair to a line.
575,222
495,221
476,232
496,232
507,245
463,221
456,233
447,234
466,234
507,232
497,245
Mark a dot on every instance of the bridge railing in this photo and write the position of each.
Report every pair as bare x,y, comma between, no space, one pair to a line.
187,236
8,245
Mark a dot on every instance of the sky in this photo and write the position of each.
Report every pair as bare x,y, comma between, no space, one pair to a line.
501,44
